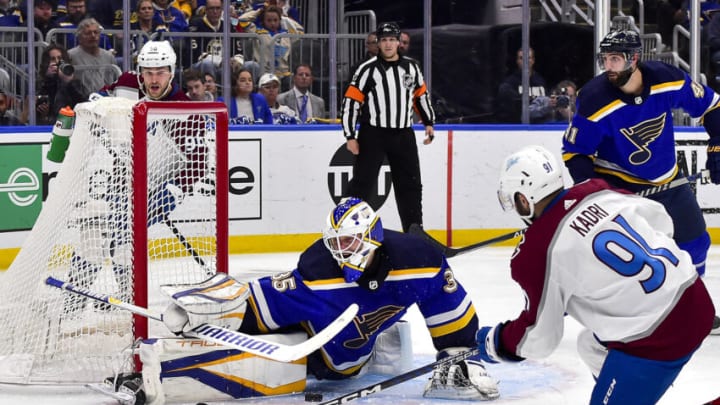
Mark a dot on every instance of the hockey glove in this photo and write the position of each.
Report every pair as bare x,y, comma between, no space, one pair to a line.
219,300
176,319
464,380
488,339
713,159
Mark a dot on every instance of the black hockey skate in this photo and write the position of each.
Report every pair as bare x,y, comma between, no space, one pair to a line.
128,388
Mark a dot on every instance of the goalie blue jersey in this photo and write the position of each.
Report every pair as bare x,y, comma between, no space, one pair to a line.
633,134
406,270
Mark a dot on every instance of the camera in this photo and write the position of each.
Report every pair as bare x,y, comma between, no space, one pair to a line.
66,68
563,100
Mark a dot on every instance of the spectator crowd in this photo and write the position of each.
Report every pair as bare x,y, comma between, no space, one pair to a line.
81,52
86,35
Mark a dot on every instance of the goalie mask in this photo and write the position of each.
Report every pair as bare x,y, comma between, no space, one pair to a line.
156,54
532,172
353,231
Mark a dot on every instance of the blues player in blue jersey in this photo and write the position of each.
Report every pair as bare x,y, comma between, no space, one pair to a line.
622,131
385,272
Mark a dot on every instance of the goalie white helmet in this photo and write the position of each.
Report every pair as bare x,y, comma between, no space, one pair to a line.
352,232
532,172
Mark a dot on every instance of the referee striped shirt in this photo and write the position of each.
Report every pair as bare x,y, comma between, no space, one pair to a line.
383,93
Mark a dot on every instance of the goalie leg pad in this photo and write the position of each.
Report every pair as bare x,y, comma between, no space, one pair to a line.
591,351
193,370
464,380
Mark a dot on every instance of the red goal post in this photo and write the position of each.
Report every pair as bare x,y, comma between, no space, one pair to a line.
140,200
142,113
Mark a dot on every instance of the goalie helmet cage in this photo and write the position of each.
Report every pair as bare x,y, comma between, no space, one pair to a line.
139,201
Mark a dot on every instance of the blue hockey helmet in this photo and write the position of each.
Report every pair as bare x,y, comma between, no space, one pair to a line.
626,42
353,231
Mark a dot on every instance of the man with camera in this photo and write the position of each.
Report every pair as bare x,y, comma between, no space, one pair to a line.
559,106
57,86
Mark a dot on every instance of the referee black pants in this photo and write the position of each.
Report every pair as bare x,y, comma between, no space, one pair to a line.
400,147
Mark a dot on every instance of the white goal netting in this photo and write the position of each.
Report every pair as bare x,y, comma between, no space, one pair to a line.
136,203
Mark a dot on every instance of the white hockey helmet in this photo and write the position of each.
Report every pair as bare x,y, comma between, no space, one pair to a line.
353,230
157,54
533,172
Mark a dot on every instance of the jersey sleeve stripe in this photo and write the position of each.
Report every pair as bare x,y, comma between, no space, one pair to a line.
328,284
667,86
260,306
405,274
447,316
454,326
607,110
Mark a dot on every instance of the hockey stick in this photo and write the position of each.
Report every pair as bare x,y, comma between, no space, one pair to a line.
183,240
383,385
416,229
230,338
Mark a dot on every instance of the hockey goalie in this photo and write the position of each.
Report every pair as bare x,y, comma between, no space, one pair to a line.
356,261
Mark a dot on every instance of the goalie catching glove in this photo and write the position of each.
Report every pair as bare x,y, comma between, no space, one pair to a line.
220,300
465,380
713,159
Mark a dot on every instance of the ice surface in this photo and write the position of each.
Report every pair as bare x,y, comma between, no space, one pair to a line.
559,379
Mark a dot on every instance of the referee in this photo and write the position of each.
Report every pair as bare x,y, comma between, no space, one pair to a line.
381,97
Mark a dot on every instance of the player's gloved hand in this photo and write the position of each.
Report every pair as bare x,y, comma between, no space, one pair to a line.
163,202
466,380
488,339
176,319
219,300
713,159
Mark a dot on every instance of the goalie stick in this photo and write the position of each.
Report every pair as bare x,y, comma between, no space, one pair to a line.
416,229
230,338
383,385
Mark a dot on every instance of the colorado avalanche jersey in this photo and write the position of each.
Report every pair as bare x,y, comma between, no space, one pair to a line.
315,293
608,260
633,135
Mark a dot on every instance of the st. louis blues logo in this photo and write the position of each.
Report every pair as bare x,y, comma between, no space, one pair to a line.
642,135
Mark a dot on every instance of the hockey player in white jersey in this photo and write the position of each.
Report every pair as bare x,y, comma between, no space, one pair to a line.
607,258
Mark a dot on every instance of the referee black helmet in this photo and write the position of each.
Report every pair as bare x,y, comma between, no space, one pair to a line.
388,30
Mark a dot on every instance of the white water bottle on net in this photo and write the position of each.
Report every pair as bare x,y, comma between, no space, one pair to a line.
140,200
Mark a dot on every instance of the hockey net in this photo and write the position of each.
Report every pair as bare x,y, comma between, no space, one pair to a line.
140,200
